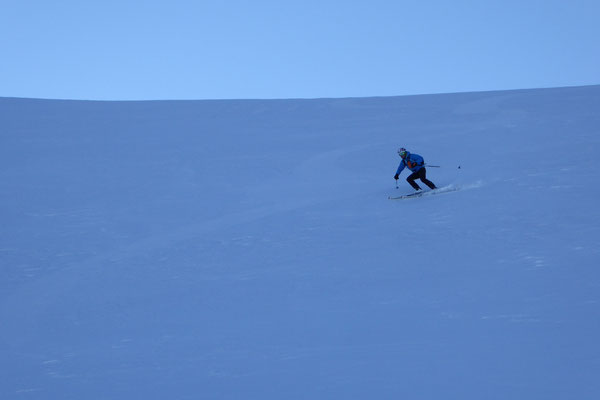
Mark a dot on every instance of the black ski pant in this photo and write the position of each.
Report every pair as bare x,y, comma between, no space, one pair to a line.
422,175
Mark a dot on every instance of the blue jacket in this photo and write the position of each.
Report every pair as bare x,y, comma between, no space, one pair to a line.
414,162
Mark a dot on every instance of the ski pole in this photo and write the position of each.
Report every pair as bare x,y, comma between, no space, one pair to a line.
432,166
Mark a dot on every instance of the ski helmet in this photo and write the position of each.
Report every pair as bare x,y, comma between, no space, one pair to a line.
402,152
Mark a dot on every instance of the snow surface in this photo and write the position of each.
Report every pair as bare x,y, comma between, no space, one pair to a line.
248,249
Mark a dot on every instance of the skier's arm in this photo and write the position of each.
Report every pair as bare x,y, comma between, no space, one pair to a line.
418,159
400,169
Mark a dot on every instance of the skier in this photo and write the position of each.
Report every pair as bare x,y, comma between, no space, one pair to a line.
416,164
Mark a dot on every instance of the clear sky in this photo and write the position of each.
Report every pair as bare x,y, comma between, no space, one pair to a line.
230,49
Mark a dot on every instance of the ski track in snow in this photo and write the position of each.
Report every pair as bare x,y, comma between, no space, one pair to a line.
441,190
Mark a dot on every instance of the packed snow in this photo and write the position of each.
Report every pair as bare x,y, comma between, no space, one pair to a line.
247,249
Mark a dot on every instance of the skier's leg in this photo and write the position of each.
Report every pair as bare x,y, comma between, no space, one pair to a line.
429,183
411,179
423,176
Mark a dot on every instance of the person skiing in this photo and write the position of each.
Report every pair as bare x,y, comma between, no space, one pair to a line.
416,164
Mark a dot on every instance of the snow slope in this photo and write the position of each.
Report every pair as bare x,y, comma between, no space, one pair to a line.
248,249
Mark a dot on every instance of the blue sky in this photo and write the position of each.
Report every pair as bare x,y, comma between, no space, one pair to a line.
223,49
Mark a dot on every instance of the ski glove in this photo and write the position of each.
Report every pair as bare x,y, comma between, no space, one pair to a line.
396,177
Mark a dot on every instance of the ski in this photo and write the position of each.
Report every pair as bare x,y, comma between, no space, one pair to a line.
425,193
406,196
